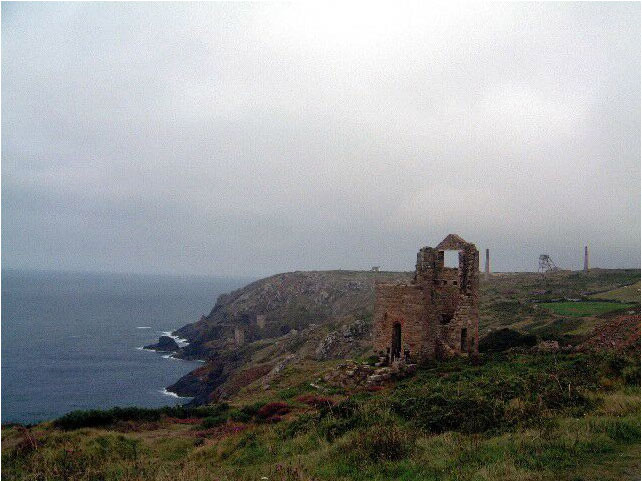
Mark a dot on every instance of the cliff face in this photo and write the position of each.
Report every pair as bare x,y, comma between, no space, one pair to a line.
274,306
315,314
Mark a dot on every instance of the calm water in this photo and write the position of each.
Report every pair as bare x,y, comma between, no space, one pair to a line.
71,341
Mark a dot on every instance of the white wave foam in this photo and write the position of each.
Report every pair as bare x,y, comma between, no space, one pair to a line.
144,349
143,327
164,391
181,342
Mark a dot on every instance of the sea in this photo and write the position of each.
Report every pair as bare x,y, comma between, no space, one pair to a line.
73,341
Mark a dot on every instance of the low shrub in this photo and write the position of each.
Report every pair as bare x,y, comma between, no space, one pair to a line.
300,425
272,409
99,418
501,340
214,421
187,421
252,409
383,442
195,412
624,430
340,419
436,413
375,388
237,415
315,400
631,374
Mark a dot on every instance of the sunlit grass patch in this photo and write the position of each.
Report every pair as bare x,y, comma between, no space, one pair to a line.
584,308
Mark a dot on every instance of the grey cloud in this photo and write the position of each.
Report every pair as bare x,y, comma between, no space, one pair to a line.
240,138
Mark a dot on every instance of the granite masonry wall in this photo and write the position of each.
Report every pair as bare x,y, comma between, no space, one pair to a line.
435,316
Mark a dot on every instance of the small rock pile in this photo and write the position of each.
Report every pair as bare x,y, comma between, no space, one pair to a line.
398,369
351,374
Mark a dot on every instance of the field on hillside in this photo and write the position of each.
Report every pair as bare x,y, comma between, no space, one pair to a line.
585,308
519,416
626,294
540,305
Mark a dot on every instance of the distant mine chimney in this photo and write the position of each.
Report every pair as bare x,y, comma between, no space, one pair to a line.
487,269
586,259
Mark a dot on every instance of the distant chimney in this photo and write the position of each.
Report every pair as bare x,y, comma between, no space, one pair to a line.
586,260
487,270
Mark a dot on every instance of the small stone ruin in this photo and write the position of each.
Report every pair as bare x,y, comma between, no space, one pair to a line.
437,314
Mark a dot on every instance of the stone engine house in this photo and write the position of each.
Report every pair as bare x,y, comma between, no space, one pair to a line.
437,314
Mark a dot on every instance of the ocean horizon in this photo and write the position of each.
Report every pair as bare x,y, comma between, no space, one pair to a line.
73,340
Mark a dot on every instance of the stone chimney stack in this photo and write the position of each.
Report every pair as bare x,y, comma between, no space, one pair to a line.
487,268
586,259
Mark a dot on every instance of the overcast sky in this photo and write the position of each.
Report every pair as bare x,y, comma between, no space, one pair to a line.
251,139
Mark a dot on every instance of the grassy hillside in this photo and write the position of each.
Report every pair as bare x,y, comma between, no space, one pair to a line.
307,315
283,404
515,416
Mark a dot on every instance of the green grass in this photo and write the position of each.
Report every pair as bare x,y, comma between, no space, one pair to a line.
630,294
514,416
584,308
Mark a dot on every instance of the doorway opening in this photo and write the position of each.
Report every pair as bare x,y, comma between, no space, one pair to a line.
464,332
396,341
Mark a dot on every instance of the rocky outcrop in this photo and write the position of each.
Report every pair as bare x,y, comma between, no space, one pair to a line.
272,307
278,368
338,344
165,343
283,314
204,383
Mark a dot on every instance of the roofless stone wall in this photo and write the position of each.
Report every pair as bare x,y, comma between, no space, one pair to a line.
435,316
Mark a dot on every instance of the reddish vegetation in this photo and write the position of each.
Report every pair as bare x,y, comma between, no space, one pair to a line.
619,333
375,388
272,409
221,430
315,400
189,421
245,377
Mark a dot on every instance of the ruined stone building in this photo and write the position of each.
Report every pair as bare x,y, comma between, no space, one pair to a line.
437,314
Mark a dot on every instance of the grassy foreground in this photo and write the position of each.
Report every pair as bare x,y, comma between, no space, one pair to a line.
514,416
